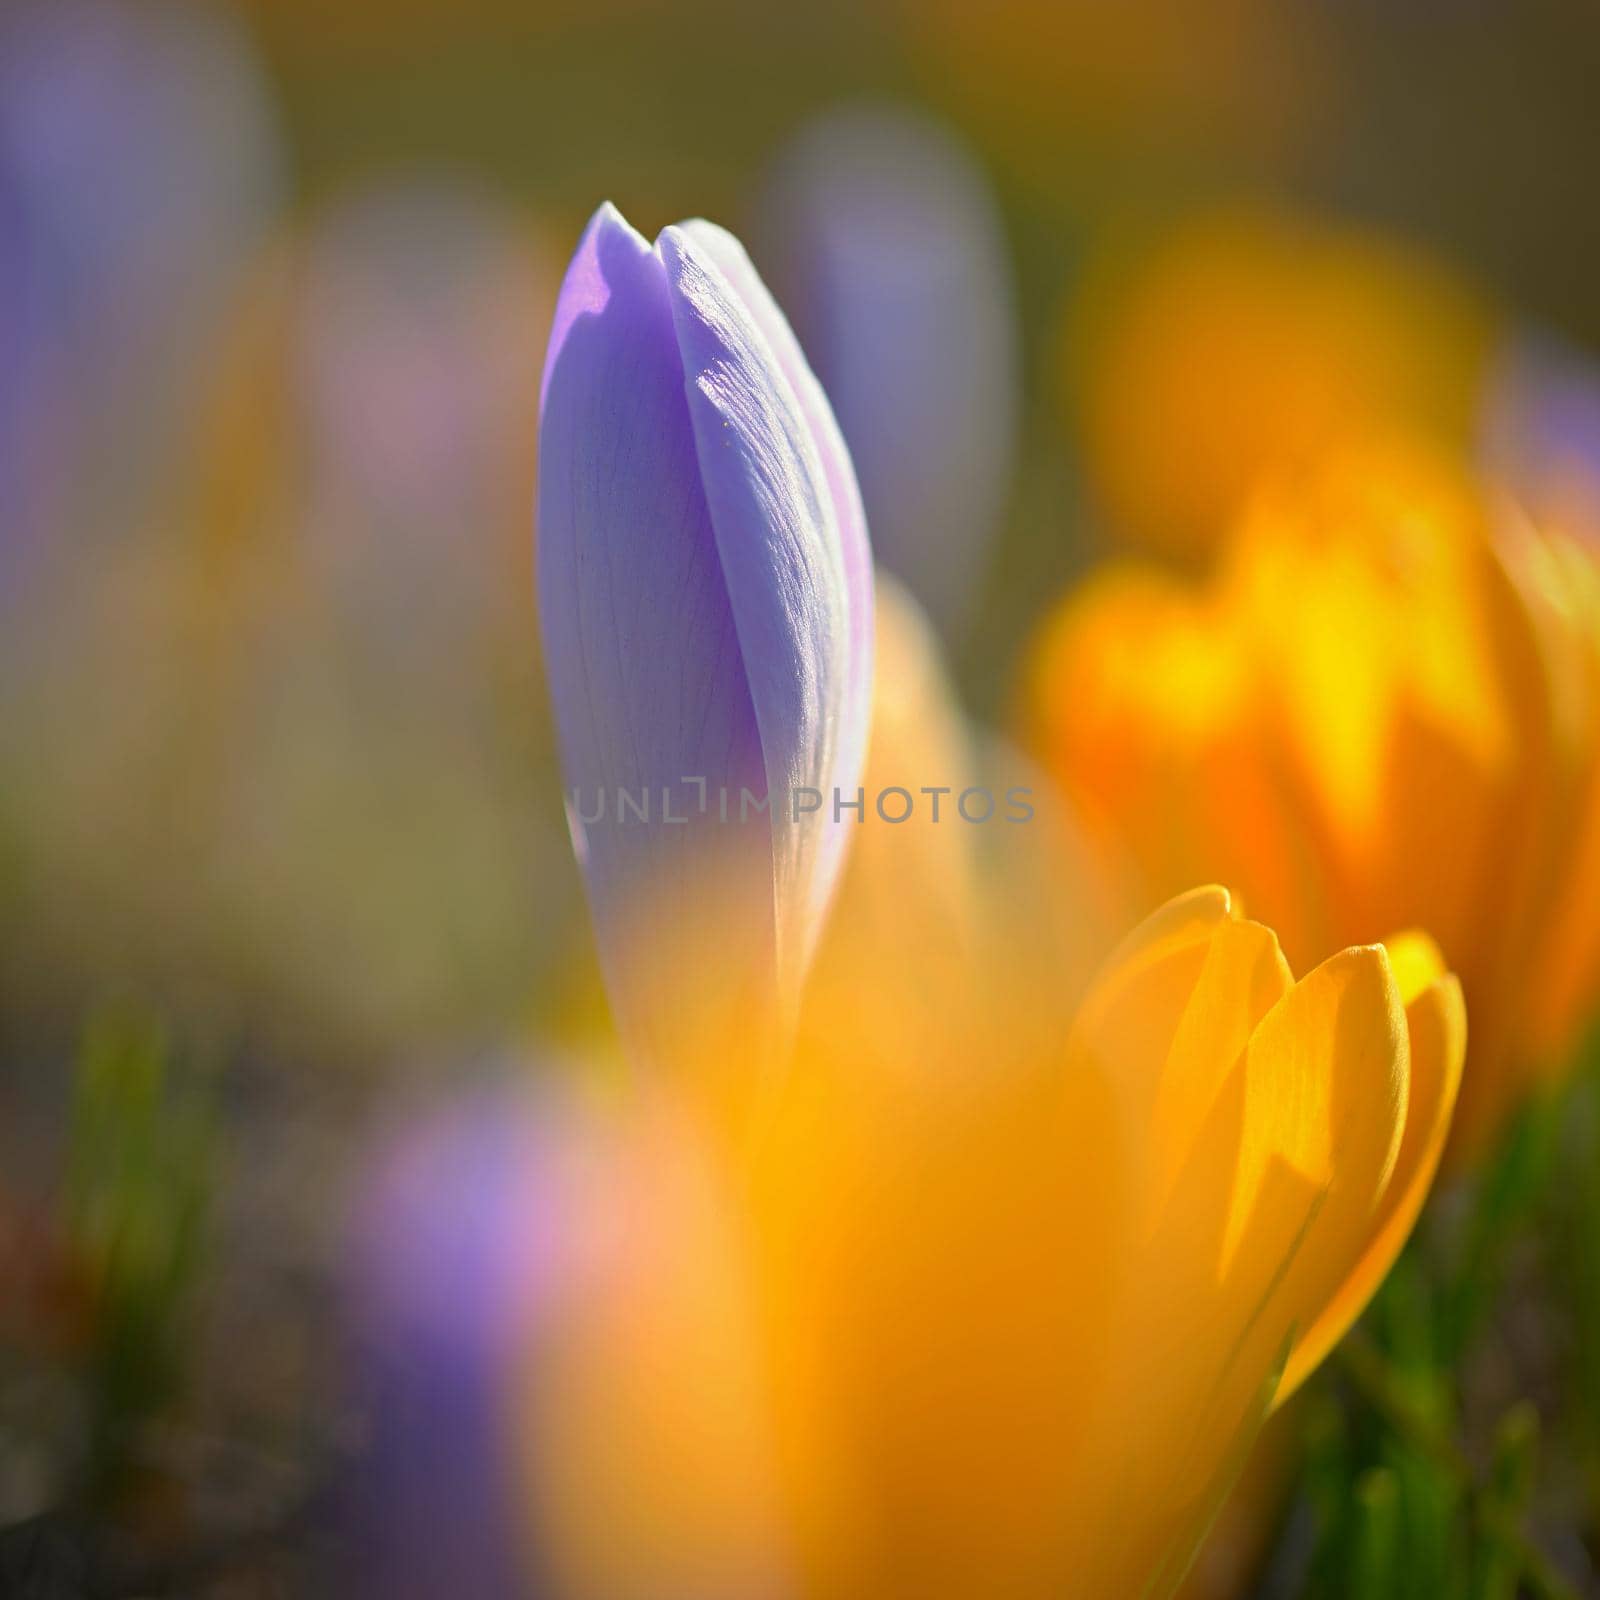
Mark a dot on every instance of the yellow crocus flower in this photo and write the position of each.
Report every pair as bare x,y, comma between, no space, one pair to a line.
1382,712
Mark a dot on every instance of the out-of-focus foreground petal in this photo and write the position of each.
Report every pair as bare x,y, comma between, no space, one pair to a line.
457,1253
998,1320
911,887
554,1352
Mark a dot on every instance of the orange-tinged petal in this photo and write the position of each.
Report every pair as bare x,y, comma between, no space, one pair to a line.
1137,636
942,912
1146,702
1362,590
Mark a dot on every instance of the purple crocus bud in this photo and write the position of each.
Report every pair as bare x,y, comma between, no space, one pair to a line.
705,591
881,233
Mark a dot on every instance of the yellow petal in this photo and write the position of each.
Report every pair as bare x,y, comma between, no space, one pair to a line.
1325,1083
1183,920
1275,1205
1132,1013
1436,1018
1243,978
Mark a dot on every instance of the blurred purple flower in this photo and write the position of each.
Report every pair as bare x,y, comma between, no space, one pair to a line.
138,165
453,1254
22,397
880,232
415,329
1540,429
705,591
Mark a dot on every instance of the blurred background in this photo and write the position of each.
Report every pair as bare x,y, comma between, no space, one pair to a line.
286,895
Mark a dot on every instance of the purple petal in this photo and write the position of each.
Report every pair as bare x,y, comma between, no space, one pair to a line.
856,703
778,534
641,648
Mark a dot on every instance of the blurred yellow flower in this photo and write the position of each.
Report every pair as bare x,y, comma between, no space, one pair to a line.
1242,342
991,1290
1383,712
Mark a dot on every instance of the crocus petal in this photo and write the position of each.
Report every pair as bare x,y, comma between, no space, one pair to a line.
1243,978
647,1454
1129,1018
1436,1020
855,711
1178,1398
1267,1217
1446,779
707,598
1324,1082
778,534
641,648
